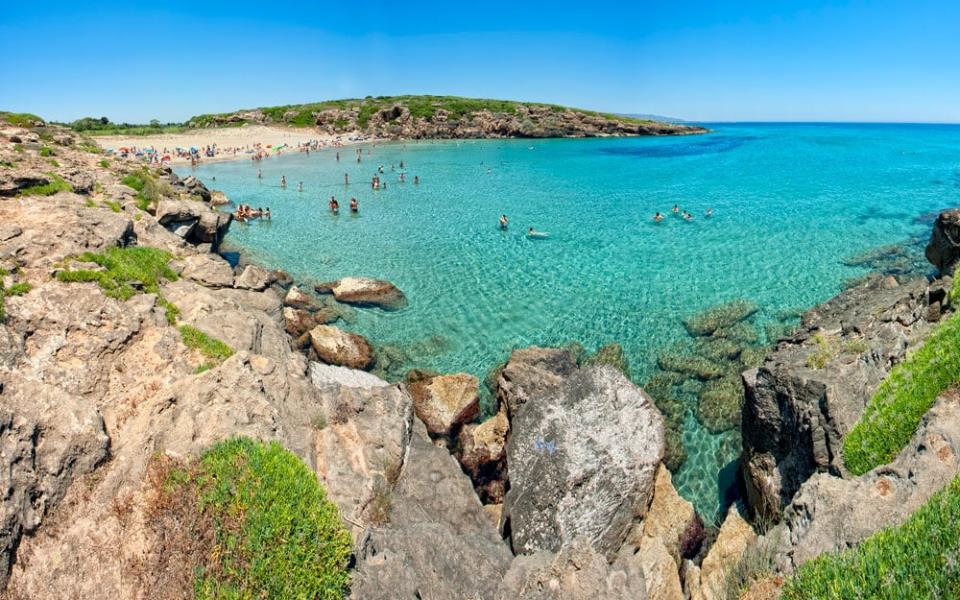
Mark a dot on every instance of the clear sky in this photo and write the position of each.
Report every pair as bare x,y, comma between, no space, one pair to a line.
699,60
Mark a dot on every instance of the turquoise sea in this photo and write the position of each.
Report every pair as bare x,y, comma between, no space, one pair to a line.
791,202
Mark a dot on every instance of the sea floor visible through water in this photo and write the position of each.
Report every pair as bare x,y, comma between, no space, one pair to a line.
798,210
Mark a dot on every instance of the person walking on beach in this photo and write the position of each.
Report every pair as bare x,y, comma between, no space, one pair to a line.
283,181
354,206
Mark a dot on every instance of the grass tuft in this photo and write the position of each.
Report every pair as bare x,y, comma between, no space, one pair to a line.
210,347
55,185
125,268
903,397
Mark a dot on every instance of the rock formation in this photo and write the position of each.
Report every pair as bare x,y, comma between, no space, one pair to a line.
363,291
943,250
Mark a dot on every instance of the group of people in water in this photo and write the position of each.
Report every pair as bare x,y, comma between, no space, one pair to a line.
335,206
686,216
245,213
531,232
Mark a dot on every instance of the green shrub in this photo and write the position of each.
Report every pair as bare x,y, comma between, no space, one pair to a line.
17,289
903,397
113,205
210,347
914,560
827,349
104,163
276,534
46,151
123,266
55,185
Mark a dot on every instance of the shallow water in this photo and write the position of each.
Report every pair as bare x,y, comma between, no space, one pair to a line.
790,203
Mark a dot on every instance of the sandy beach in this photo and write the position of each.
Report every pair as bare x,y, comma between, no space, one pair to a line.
232,142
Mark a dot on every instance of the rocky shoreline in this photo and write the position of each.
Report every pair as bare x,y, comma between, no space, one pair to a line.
561,493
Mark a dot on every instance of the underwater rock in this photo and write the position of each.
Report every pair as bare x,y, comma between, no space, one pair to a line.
741,333
718,409
610,354
717,317
717,348
688,364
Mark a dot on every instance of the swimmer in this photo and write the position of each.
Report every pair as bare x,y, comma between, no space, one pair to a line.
658,217
300,187
334,205
283,181
676,209
403,177
259,174
687,216
354,206
709,212
416,180
346,179
401,164
267,213
338,156
504,222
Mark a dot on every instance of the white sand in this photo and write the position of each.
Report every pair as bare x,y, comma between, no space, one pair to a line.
226,139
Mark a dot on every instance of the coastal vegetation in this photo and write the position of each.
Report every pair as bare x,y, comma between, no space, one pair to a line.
54,185
214,350
914,560
260,525
903,397
103,126
21,119
16,289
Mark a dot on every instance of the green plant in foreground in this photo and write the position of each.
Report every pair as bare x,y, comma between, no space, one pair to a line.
104,163
827,349
917,559
113,205
210,347
46,151
123,266
276,534
903,397
56,184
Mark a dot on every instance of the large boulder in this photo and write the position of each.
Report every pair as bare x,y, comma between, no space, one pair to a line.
335,346
577,571
195,187
943,250
445,402
531,371
195,222
364,291
432,539
12,181
813,387
208,270
583,457
736,536
254,278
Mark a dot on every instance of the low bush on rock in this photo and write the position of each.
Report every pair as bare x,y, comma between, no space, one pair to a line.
917,559
125,268
55,185
903,397
211,348
246,520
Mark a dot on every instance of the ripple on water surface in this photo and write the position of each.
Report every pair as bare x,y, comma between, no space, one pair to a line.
790,202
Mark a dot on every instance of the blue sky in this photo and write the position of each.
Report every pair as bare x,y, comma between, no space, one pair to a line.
709,61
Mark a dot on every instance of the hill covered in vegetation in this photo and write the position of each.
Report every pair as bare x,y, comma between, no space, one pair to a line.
445,117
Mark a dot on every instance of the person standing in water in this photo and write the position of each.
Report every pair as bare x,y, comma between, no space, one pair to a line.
300,187
504,222
338,156
416,180
658,217
676,209
259,174
334,205
709,212
267,213
346,179
283,181
354,206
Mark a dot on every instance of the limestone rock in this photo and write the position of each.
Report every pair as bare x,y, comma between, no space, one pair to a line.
831,514
253,278
484,445
943,250
195,222
531,371
323,376
446,402
583,458
297,321
735,536
577,571
437,541
295,298
11,182
812,389
195,187
670,517
363,291
208,270
337,347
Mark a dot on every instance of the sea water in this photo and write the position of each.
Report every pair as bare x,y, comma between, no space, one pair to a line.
790,202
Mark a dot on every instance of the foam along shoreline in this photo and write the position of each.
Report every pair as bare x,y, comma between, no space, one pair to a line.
233,143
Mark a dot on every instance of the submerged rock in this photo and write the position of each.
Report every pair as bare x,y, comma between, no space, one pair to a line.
363,291
335,346
582,459
718,408
611,354
717,317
